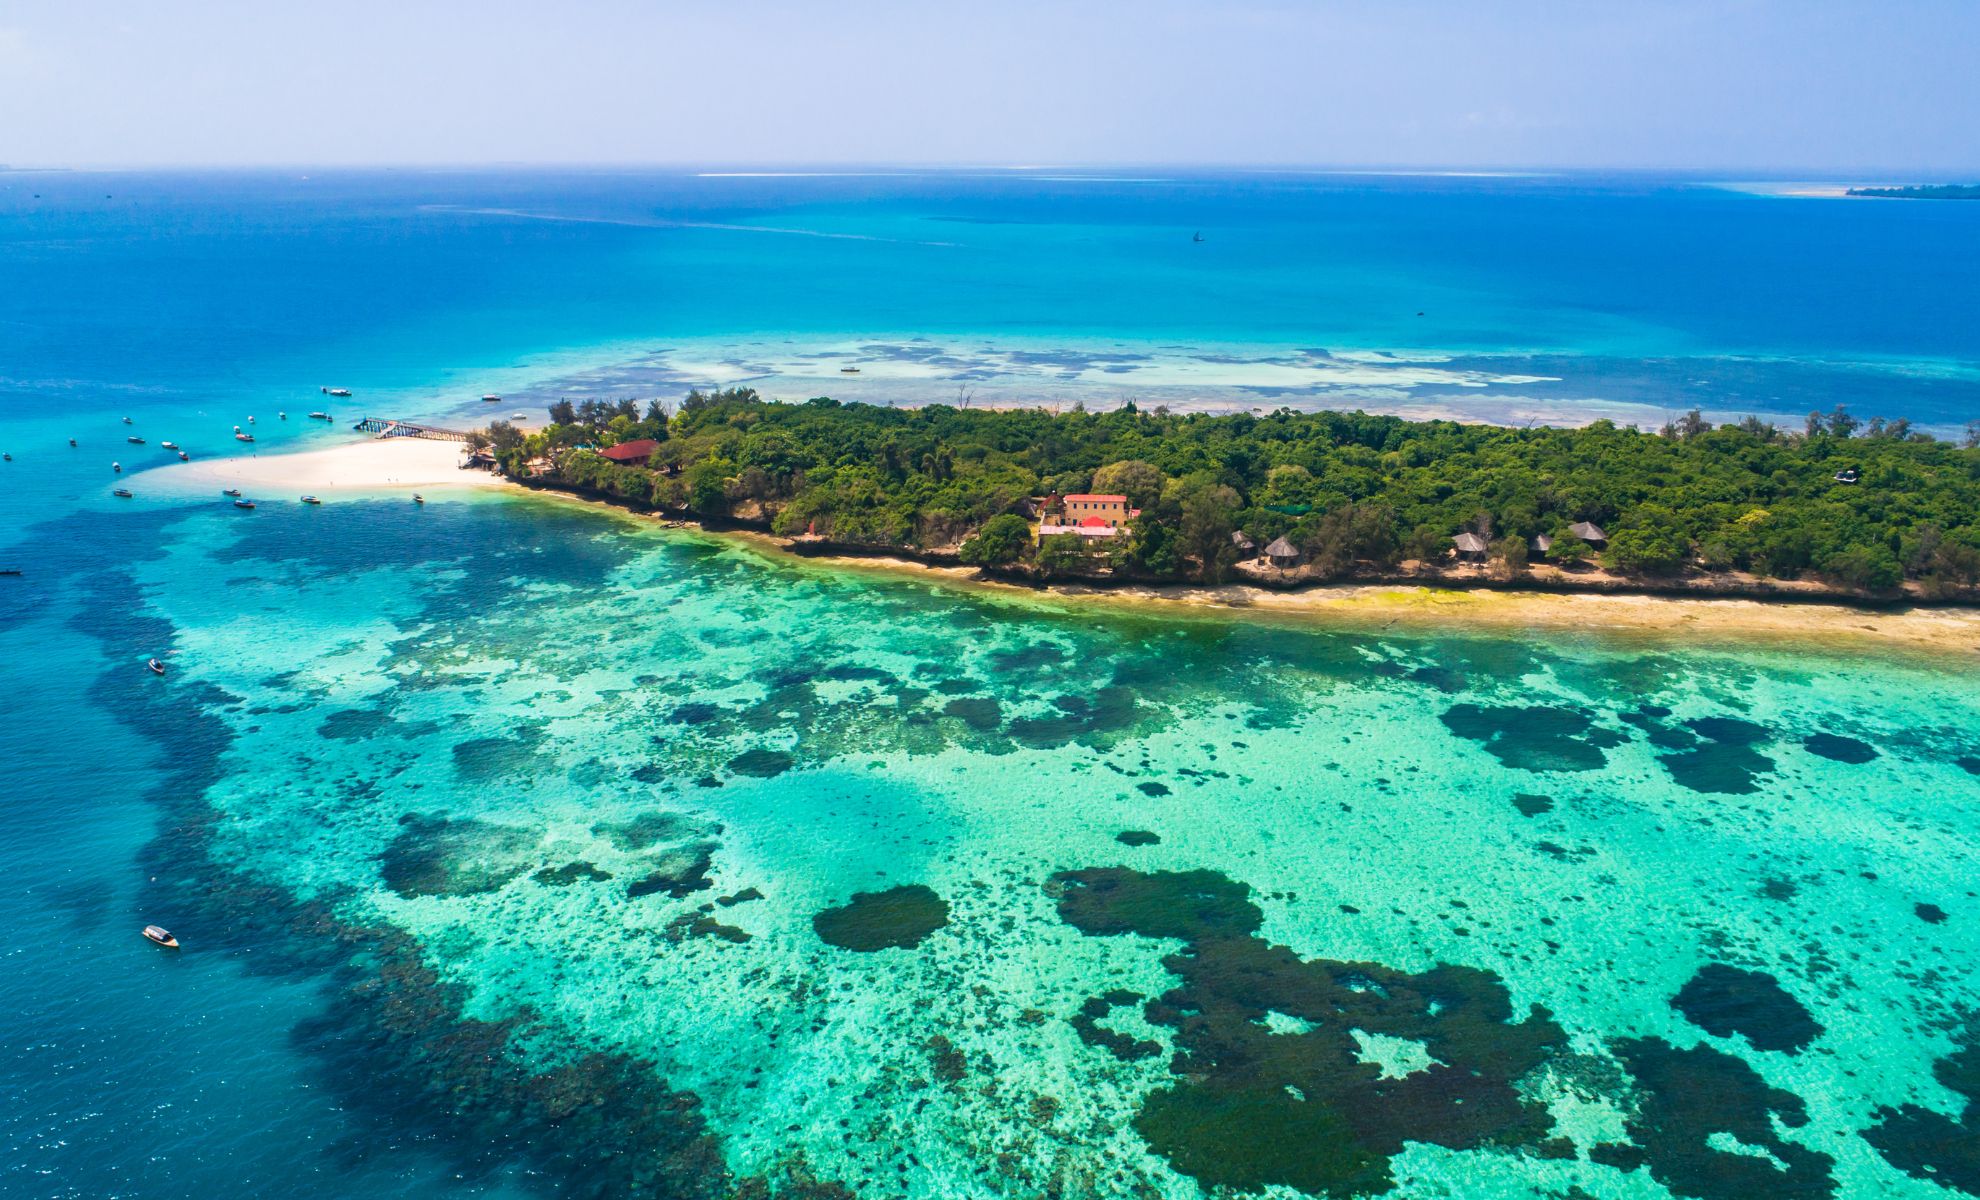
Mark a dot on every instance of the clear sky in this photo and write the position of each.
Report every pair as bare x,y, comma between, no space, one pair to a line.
1825,85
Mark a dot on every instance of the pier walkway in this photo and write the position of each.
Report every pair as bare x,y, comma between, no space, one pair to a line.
386,427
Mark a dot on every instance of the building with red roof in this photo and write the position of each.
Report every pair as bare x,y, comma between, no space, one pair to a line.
637,451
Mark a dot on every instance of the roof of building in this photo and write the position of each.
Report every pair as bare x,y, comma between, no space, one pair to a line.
1240,541
633,451
1588,531
1543,543
1470,543
1094,522
1281,548
1093,499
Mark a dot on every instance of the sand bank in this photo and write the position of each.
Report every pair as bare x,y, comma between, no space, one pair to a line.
359,466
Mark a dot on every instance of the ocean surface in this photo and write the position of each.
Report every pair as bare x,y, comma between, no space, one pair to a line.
521,849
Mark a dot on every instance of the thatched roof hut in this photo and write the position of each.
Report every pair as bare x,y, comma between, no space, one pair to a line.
1283,553
1543,543
1242,542
1588,532
1470,545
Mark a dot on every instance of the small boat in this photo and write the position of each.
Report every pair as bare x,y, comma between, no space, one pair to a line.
72,441
281,416
10,570
184,457
160,937
122,493
336,391
1198,237
491,398
848,370
127,420
243,437
117,467
311,500
170,445
319,416
519,416
418,499
230,491
157,668
135,440
6,458
250,420
243,504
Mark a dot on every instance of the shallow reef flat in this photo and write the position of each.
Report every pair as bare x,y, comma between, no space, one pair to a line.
780,881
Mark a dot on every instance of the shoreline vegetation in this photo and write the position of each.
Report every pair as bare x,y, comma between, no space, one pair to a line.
1841,511
1932,191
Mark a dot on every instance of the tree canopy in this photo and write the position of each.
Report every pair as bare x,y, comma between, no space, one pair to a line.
1345,487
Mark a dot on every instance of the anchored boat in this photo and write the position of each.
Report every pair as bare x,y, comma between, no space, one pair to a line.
157,668
160,937
124,493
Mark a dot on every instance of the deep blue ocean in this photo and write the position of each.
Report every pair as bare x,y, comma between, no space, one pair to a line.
187,301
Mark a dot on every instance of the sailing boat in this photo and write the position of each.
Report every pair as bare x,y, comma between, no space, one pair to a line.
1198,237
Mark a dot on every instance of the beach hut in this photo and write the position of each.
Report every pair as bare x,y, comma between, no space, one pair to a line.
1282,553
1470,546
1542,545
1245,545
1589,532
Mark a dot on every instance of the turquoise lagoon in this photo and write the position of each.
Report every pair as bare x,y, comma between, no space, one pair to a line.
534,786
520,848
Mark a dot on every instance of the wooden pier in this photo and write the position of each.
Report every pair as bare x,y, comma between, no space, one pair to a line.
386,427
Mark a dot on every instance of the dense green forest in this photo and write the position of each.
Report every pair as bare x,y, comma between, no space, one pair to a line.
1353,491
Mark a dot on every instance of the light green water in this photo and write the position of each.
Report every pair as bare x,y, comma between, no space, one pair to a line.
489,724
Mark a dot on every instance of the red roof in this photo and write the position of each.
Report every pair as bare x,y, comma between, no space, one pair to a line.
1098,499
1093,522
635,451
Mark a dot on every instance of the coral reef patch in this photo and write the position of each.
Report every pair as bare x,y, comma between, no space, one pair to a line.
898,918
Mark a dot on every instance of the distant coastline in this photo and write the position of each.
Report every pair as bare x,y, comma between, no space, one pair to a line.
1932,191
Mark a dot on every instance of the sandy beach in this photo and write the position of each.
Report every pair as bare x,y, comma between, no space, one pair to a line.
378,465
1946,637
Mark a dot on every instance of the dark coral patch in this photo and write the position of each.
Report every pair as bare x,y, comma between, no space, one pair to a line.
680,873
353,724
761,764
1724,1000
1930,1145
1969,763
1931,914
1167,904
1838,748
1253,1107
1151,788
1724,761
1530,805
569,874
1535,737
1086,1023
1138,837
445,856
1688,1096
699,925
492,758
896,918
695,713
977,712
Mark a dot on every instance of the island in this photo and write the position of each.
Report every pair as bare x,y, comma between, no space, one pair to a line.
1927,191
1840,508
